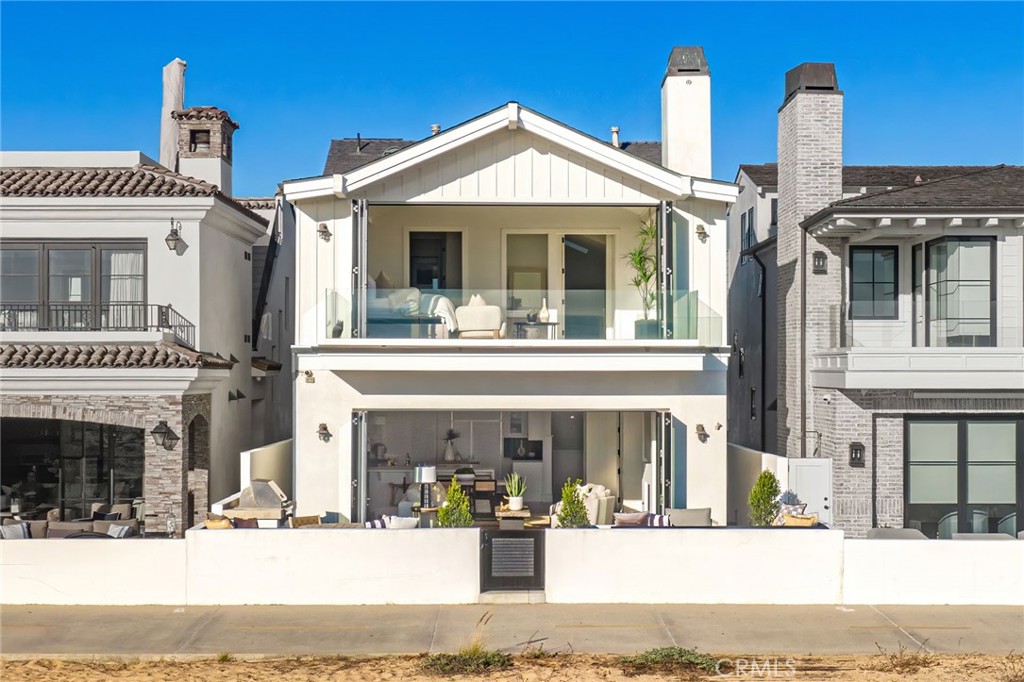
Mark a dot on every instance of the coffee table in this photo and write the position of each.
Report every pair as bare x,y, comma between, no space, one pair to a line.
511,520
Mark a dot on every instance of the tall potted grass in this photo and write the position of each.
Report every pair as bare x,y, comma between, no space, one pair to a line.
515,486
642,261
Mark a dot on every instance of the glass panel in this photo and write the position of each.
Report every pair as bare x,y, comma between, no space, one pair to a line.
959,296
19,275
862,300
70,275
861,265
885,265
932,441
991,483
991,442
129,462
527,259
932,483
934,520
123,277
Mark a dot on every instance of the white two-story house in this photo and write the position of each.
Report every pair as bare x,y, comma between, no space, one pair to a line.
479,280
886,303
127,331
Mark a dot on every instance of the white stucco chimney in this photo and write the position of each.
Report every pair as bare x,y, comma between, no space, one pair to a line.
173,100
204,145
686,113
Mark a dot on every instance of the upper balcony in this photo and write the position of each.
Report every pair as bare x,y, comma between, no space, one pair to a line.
70,323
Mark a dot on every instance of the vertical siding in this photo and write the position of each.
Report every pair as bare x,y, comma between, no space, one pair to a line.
1008,290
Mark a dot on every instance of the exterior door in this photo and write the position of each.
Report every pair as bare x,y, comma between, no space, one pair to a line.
360,228
585,284
662,462
360,491
666,295
811,480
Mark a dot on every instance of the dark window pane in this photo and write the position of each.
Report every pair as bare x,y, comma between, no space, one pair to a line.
861,266
19,262
885,265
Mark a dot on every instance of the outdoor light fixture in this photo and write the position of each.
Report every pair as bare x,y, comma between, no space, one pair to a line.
819,263
323,433
164,436
426,476
174,236
323,232
702,234
857,455
702,433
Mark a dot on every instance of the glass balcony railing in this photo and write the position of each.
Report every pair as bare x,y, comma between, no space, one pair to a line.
965,326
573,315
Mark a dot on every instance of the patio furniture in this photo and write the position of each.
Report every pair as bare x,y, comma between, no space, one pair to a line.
599,502
512,520
480,322
699,517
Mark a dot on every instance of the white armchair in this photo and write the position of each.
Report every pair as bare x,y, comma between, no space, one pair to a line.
480,322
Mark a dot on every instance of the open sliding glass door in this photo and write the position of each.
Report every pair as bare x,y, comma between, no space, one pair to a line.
360,229
661,464
666,295
360,489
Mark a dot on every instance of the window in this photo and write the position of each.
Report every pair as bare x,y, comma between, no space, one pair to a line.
963,475
961,292
775,214
72,285
744,237
873,289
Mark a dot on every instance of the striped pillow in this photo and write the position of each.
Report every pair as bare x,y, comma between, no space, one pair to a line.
376,523
15,531
658,521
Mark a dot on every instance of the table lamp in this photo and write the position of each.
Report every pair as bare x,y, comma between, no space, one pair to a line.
426,476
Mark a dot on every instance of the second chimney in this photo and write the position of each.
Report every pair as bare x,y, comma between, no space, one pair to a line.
204,145
686,113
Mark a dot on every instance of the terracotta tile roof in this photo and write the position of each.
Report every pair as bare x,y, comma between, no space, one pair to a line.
256,203
141,180
767,174
159,356
203,114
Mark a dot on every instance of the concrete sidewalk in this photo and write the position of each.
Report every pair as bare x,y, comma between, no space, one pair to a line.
584,628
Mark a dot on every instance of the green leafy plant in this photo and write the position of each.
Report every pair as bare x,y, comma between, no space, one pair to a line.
644,264
455,513
451,435
515,485
669,660
764,499
572,513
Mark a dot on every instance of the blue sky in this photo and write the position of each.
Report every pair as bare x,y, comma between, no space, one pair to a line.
925,83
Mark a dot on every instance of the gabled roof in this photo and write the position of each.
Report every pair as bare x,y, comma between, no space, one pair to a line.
162,355
997,188
767,174
141,180
349,153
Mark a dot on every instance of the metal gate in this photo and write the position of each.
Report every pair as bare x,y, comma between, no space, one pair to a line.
511,560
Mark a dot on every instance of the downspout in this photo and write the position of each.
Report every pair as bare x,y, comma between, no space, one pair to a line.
803,343
764,337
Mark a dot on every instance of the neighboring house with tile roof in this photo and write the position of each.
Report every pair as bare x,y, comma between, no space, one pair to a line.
419,264
876,315
126,306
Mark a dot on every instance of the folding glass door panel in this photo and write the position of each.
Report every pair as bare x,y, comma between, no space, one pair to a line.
69,288
585,283
961,292
360,492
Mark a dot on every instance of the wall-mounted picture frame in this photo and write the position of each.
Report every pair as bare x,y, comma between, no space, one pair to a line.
516,424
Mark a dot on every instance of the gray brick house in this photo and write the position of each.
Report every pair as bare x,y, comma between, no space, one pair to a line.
876,312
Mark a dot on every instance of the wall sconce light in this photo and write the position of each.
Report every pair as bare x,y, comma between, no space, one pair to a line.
323,433
174,236
323,232
857,455
702,234
310,379
819,263
702,433
164,436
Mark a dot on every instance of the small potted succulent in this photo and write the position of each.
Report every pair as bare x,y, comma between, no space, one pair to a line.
532,316
515,486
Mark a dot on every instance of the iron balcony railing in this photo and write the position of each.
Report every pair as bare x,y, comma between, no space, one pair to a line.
96,317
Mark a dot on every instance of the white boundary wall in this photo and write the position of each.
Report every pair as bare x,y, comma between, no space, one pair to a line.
441,566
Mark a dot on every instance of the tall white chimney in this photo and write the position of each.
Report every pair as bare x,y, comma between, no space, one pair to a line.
174,100
686,113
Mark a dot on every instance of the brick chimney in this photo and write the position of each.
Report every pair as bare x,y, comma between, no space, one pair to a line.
810,177
686,113
204,144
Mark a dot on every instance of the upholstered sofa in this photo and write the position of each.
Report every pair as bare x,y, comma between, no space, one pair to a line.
62,529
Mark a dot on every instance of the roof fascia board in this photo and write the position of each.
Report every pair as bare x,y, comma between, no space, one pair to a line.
309,188
714,190
828,215
98,380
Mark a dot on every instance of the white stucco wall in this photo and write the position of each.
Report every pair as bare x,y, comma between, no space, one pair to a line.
331,566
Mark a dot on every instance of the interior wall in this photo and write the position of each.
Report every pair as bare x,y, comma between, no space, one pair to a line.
602,449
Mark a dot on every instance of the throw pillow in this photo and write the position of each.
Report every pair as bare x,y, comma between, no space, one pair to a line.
690,518
117,531
792,509
477,299
246,523
383,281
631,518
376,523
371,287
401,522
15,531
217,522
658,521
106,516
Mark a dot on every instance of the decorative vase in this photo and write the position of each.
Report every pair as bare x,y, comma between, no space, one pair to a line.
515,504
449,451
544,315
521,451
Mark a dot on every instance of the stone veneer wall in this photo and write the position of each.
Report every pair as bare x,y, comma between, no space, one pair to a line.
164,479
876,419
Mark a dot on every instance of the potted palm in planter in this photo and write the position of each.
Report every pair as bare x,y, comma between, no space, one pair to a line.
515,486
642,261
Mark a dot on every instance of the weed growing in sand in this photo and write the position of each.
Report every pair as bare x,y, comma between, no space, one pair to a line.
225,658
1013,668
472,659
668,660
902,661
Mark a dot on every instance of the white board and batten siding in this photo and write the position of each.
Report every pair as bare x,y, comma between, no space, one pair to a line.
512,166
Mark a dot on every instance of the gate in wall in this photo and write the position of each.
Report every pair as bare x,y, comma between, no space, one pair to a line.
511,560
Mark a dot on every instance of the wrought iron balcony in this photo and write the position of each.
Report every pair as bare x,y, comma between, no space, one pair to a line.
96,317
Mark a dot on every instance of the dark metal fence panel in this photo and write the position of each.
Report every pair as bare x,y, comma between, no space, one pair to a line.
511,560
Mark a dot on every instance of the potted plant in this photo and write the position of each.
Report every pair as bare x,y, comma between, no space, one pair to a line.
642,261
531,316
465,475
449,438
572,513
764,499
515,486
455,512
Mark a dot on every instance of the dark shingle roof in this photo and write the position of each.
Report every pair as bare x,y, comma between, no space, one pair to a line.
163,355
349,153
141,180
767,174
648,151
